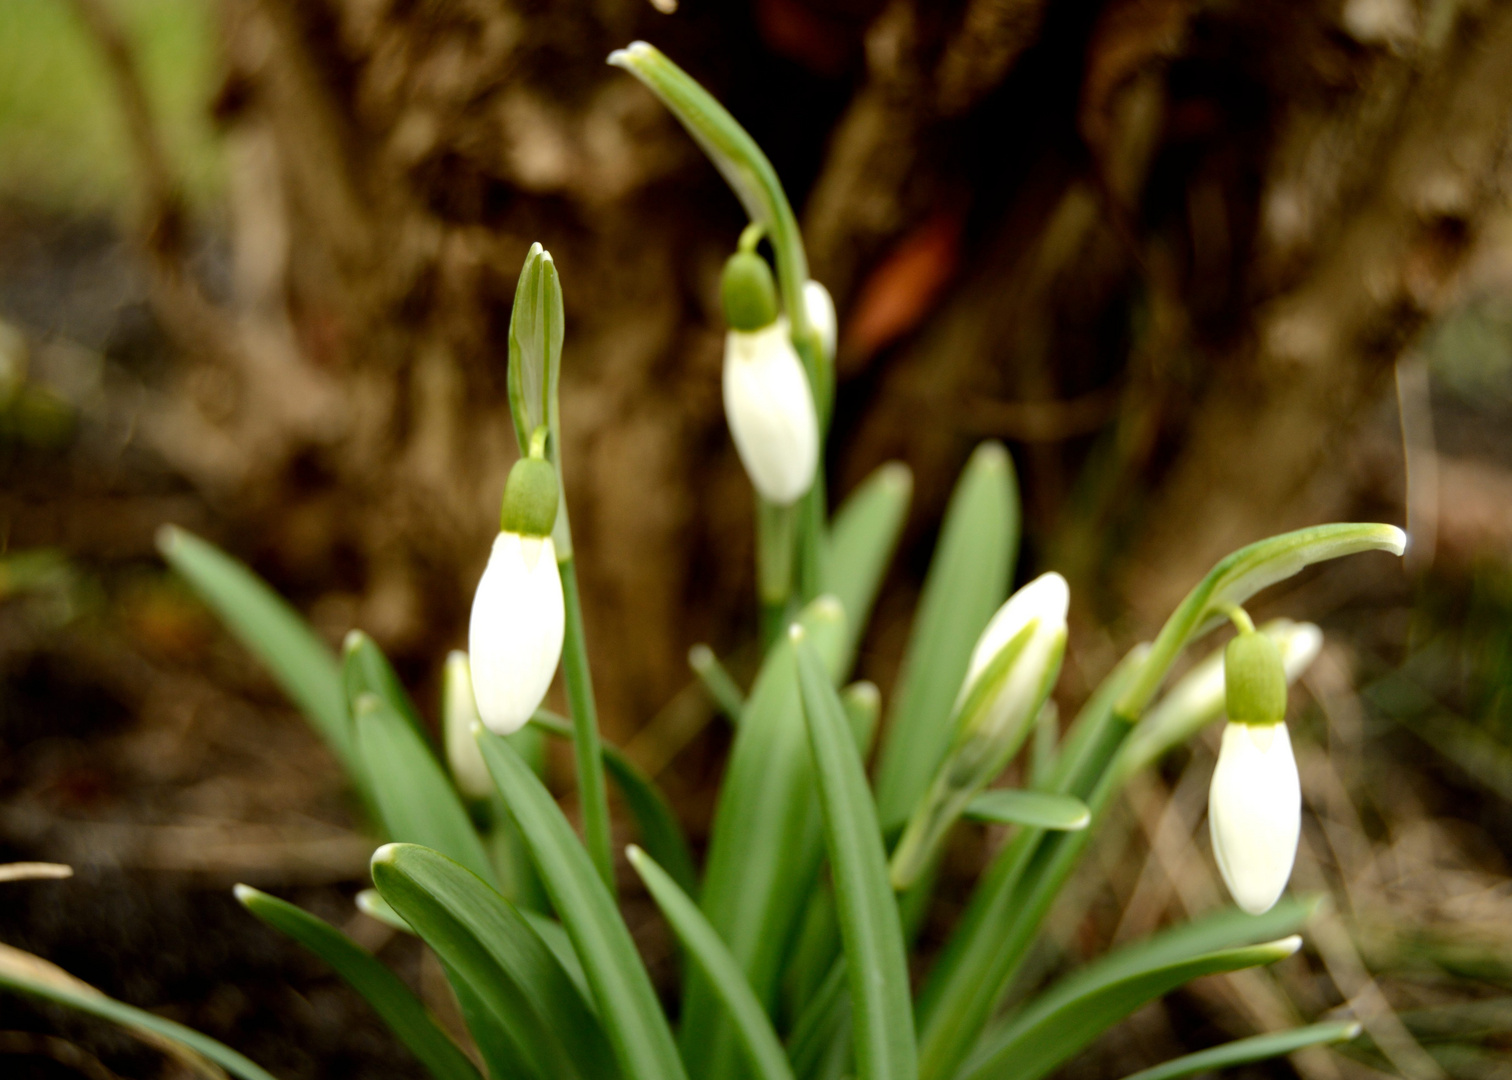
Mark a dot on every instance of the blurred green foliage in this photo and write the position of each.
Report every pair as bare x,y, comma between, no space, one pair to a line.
62,140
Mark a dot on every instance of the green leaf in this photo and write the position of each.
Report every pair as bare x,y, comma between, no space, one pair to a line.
751,176
372,904
825,1019
861,544
298,659
365,670
1054,1027
390,998
1245,1051
989,941
722,688
1238,577
1038,809
661,833
967,581
875,954
28,974
766,844
414,795
627,1003
752,1028
490,945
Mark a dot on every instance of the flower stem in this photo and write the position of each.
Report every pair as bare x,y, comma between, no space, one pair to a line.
775,535
592,795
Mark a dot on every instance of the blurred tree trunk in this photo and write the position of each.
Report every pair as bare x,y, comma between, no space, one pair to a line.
1169,250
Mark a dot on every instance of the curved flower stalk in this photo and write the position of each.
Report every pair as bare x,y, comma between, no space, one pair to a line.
1255,803
518,615
1012,671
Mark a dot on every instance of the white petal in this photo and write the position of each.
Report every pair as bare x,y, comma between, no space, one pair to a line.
515,638
459,711
770,409
1255,813
1046,598
820,307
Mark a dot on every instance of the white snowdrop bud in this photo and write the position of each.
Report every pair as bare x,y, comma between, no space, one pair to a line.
515,636
1255,813
459,711
1012,670
770,410
820,307
1044,599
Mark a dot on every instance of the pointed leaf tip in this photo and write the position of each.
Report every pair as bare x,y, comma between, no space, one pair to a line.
244,893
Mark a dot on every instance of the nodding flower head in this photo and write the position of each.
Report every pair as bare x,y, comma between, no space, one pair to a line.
518,616
1255,803
768,401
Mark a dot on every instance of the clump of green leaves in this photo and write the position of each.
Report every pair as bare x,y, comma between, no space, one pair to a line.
797,936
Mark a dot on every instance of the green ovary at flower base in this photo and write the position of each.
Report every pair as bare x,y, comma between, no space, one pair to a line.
1255,803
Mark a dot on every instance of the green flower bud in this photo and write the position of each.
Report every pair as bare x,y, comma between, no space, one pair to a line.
748,292
1254,679
530,498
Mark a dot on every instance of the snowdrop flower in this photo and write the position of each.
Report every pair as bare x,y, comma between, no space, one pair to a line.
518,617
1255,803
821,315
459,711
768,401
1012,670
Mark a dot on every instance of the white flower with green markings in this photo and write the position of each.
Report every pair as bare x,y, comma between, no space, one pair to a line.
1255,803
768,401
518,614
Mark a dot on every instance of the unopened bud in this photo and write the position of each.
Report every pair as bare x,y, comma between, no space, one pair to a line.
459,711
1011,673
820,307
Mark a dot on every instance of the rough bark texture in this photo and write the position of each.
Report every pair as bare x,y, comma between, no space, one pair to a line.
1170,250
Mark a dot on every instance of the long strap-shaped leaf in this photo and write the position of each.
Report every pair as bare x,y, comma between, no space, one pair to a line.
365,670
1050,1032
489,944
28,974
660,832
967,581
627,1003
766,845
415,797
301,663
752,1028
876,960
1038,809
1255,1048
384,991
861,543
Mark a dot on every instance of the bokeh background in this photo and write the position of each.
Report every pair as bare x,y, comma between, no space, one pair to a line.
1211,270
